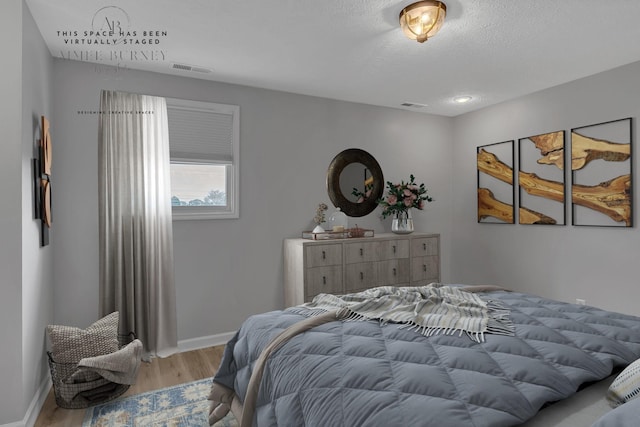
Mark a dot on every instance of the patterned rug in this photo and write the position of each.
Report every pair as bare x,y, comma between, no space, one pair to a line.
184,405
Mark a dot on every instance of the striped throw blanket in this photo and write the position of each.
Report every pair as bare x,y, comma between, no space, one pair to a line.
431,310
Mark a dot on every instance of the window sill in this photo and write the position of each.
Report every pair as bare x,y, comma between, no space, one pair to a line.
203,214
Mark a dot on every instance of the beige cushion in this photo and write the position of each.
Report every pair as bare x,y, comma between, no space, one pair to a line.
70,344
626,386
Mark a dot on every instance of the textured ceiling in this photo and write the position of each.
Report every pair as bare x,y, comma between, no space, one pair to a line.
353,50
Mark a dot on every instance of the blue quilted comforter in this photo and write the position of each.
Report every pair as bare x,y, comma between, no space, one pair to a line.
362,373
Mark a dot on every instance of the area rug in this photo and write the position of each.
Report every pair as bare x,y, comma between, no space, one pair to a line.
184,405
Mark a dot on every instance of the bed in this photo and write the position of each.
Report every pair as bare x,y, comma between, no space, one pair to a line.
291,368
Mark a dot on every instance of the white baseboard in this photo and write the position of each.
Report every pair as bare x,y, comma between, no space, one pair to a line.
35,406
203,342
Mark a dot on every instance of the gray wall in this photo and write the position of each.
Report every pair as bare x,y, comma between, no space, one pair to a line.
562,262
37,262
26,303
11,402
227,270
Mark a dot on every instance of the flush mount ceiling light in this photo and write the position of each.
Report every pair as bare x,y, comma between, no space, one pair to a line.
422,20
462,99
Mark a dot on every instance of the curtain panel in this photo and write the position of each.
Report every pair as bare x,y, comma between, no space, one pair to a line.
135,230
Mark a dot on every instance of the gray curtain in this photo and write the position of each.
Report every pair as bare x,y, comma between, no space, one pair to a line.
136,238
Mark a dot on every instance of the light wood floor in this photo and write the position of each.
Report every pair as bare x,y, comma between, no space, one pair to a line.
160,373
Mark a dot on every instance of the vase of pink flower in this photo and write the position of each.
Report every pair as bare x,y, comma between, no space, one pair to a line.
399,201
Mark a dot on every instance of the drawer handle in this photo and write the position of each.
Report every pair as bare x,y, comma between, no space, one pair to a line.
394,271
424,267
361,276
394,249
361,252
324,255
424,246
324,280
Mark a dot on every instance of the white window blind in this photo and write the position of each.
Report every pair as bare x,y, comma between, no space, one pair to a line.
201,131
204,141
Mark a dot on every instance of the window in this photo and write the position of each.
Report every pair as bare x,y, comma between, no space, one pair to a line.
204,144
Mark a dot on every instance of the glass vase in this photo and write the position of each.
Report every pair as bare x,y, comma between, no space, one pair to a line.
402,222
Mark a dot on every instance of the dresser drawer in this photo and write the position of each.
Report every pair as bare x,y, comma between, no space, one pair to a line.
341,266
323,280
360,276
425,269
425,246
361,252
393,272
394,249
323,255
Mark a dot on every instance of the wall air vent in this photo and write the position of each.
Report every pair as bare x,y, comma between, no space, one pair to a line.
185,67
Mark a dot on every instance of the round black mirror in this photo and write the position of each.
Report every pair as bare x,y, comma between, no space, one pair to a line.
355,182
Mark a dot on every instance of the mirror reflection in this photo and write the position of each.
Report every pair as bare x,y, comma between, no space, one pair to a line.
355,182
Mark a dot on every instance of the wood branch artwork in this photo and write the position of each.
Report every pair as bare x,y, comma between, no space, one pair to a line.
585,149
500,209
551,146
536,186
489,206
612,198
491,165
542,178
608,142
529,216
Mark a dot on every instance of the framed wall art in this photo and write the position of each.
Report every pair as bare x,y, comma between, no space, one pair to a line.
495,190
42,181
601,187
541,183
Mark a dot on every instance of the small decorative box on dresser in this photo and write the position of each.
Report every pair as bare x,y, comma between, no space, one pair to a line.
342,266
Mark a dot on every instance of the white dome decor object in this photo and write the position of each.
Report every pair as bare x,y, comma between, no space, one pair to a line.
338,220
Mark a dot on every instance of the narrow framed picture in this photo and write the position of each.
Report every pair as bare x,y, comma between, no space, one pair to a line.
601,171
495,189
42,180
541,179
45,145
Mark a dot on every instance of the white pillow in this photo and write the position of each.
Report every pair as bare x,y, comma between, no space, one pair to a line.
626,386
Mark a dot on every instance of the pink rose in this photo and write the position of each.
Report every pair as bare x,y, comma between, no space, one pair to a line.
408,202
392,199
407,192
421,204
412,187
413,197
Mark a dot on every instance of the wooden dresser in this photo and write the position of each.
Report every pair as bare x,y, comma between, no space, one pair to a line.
341,266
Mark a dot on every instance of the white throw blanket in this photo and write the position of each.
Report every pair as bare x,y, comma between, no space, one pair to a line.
431,309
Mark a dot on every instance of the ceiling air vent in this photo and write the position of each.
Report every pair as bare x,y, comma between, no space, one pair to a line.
185,67
413,105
